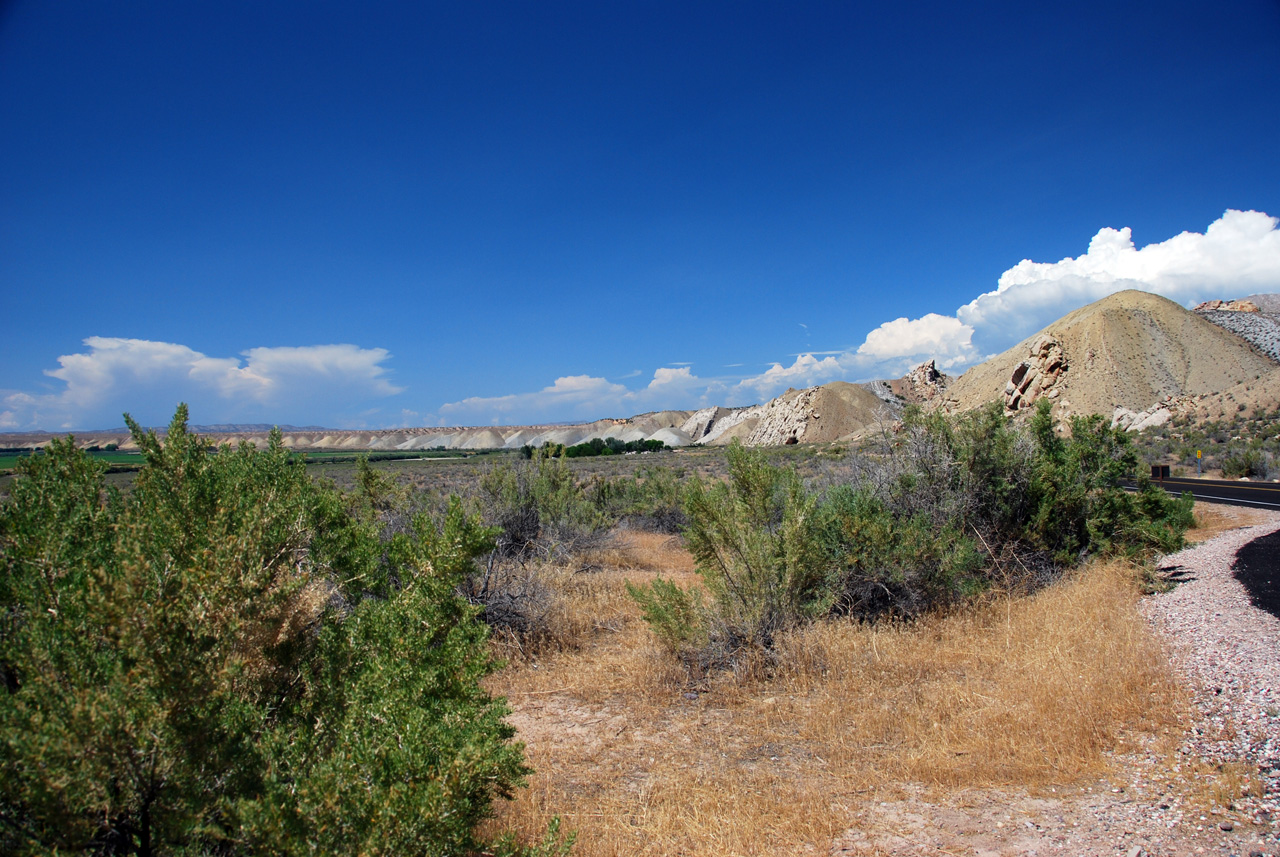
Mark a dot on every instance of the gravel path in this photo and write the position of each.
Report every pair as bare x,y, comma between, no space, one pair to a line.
1228,653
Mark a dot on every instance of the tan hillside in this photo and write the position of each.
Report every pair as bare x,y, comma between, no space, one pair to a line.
817,415
812,415
1128,350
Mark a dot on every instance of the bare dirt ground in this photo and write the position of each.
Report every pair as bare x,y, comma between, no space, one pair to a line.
1141,732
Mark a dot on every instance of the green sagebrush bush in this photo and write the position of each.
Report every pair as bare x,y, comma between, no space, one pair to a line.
918,520
649,500
1082,510
227,661
754,538
539,507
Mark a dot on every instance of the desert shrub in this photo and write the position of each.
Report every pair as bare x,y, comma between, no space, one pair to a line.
514,598
651,500
540,507
229,661
755,541
1253,462
887,563
1082,509
973,471
931,515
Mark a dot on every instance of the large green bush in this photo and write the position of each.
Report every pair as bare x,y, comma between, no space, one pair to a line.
227,660
933,513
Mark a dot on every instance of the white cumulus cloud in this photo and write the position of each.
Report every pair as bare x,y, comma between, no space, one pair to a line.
932,336
1238,254
805,371
148,378
575,395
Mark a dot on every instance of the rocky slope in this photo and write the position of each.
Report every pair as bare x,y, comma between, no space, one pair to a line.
1255,319
1131,350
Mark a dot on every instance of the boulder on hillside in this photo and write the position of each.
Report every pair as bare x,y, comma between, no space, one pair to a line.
1037,376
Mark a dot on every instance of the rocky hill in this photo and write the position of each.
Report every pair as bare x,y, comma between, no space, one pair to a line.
813,415
1131,351
1255,319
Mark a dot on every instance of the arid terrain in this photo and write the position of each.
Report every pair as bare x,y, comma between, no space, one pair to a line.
1085,719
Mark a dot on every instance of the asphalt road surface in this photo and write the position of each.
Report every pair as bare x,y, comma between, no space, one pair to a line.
1262,495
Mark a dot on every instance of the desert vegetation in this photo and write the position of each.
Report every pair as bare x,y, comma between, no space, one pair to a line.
1244,443
234,659
706,653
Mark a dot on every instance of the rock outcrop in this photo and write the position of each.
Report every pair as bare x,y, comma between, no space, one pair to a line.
1039,375
1156,415
1227,306
720,425
922,385
819,415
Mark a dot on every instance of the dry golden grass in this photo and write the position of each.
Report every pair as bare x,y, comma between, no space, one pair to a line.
589,595
1026,691
1214,519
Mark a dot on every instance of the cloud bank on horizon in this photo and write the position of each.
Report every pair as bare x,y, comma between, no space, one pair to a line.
1238,254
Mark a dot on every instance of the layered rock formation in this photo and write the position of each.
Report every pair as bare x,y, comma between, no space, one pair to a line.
1226,306
1038,375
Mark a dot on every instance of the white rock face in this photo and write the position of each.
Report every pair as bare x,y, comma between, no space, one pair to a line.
723,420
1156,415
700,422
785,419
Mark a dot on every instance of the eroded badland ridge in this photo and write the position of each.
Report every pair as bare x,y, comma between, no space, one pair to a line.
1134,356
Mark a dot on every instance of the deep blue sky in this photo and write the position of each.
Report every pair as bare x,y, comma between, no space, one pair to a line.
503,194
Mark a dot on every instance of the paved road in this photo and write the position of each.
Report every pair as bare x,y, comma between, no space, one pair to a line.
1263,495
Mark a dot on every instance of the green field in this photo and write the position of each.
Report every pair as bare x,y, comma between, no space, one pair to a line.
115,459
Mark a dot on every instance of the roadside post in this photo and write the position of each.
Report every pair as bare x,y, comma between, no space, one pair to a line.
1197,462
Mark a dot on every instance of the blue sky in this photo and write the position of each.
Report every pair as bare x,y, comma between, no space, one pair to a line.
467,213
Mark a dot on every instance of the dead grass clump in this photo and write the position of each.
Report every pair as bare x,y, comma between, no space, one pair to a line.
566,605
1214,519
638,550
1027,691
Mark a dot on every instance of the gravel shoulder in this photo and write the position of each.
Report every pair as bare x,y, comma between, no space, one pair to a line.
1184,802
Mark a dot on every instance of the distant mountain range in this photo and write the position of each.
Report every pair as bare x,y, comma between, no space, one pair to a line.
1135,357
